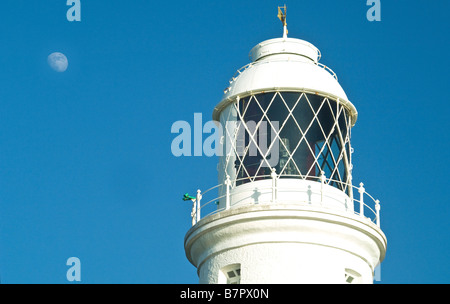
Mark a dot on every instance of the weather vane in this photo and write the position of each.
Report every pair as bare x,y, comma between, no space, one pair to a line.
282,17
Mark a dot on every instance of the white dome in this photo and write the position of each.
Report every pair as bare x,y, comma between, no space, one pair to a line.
285,46
285,64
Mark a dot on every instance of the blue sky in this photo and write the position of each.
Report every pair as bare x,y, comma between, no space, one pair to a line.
86,168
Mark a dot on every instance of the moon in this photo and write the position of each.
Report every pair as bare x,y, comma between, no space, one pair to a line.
58,61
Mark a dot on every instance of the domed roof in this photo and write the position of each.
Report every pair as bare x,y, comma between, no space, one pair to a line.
285,64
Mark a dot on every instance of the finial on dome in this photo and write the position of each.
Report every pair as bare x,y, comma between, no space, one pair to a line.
282,17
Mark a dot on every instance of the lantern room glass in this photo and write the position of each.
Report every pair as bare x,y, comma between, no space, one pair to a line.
310,134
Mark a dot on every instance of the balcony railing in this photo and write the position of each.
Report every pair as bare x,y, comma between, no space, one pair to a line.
207,202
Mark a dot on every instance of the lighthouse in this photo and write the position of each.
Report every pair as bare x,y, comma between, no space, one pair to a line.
285,209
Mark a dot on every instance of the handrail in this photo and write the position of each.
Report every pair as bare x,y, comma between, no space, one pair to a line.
361,208
328,69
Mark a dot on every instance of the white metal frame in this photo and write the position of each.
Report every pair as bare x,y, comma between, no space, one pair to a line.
328,138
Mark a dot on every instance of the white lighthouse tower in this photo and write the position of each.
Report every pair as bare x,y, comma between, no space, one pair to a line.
285,209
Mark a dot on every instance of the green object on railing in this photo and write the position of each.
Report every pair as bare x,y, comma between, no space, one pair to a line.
187,197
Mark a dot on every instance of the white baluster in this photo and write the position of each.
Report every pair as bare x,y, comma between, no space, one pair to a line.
322,182
377,208
199,198
194,212
361,191
274,185
227,198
